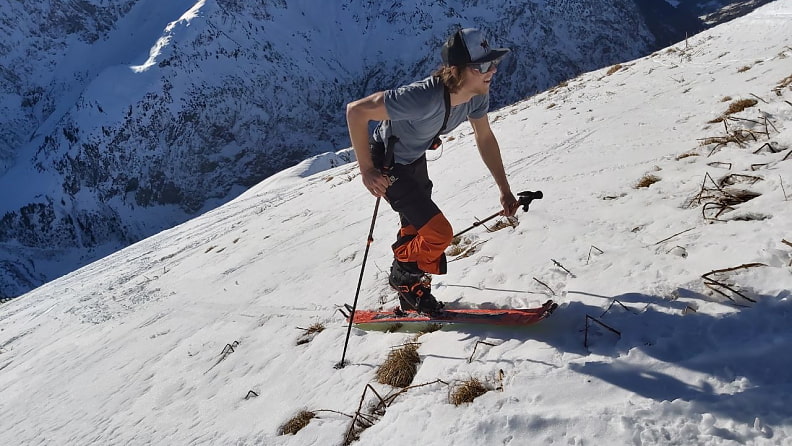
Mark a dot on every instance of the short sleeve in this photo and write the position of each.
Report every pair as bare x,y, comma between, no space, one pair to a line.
409,102
480,107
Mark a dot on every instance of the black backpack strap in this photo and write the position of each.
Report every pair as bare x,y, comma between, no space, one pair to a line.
389,156
382,153
436,142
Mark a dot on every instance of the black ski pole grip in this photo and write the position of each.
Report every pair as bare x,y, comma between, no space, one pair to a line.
528,196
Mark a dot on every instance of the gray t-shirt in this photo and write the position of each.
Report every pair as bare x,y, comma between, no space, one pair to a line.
416,114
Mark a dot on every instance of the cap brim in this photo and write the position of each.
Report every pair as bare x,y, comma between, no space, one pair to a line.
495,54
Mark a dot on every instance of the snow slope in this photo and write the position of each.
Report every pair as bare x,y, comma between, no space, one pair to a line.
134,348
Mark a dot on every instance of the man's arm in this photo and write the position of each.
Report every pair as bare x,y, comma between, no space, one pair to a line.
491,155
359,113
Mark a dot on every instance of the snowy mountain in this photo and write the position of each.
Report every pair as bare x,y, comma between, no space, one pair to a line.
120,119
663,233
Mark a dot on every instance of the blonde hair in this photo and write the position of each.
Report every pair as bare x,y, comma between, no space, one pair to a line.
451,77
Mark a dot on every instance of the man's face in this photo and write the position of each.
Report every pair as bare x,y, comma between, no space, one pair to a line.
477,82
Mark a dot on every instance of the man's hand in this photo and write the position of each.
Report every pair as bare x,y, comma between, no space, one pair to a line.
375,181
359,114
510,204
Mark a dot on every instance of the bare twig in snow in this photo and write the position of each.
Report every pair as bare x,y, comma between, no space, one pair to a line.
757,97
589,254
545,285
608,327
678,233
562,267
713,284
470,360
616,301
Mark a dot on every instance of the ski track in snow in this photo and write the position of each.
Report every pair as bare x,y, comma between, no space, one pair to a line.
164,341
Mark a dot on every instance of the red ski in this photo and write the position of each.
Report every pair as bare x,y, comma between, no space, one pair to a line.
503,316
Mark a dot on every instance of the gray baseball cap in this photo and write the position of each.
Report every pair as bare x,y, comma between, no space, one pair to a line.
468,46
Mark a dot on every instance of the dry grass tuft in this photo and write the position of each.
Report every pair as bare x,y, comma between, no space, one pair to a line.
400,366
646,181
735,107
743,69
431,328
310,333
726,99
315,328
457,247
613,69
686,155
467,392
462,247
294,425
740,105
784,83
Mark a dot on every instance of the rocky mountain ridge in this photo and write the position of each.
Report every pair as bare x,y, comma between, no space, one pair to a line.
121,119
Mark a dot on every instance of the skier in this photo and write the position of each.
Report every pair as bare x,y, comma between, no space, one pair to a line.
412,117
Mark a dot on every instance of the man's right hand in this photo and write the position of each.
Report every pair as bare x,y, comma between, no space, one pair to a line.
359,113
375,181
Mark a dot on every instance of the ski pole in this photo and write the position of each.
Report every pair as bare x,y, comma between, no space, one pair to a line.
341,364
524,200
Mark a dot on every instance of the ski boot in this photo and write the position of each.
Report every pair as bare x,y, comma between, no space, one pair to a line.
414,288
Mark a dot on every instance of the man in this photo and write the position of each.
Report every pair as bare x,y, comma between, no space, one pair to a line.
393,162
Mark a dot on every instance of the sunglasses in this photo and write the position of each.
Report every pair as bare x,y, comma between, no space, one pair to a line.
484,67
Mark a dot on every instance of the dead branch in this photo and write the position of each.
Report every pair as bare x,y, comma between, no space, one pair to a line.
769,146
715,149
678,233
616,301
334,411
562,267
735,268
470,360
722,207
767,121
589,254
227,350
362,421
782,187
757,97
700,197
720,164
719,198
545,285
735,178
742,133
712,284
608,327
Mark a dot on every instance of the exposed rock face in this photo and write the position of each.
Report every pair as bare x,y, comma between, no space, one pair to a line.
121,118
